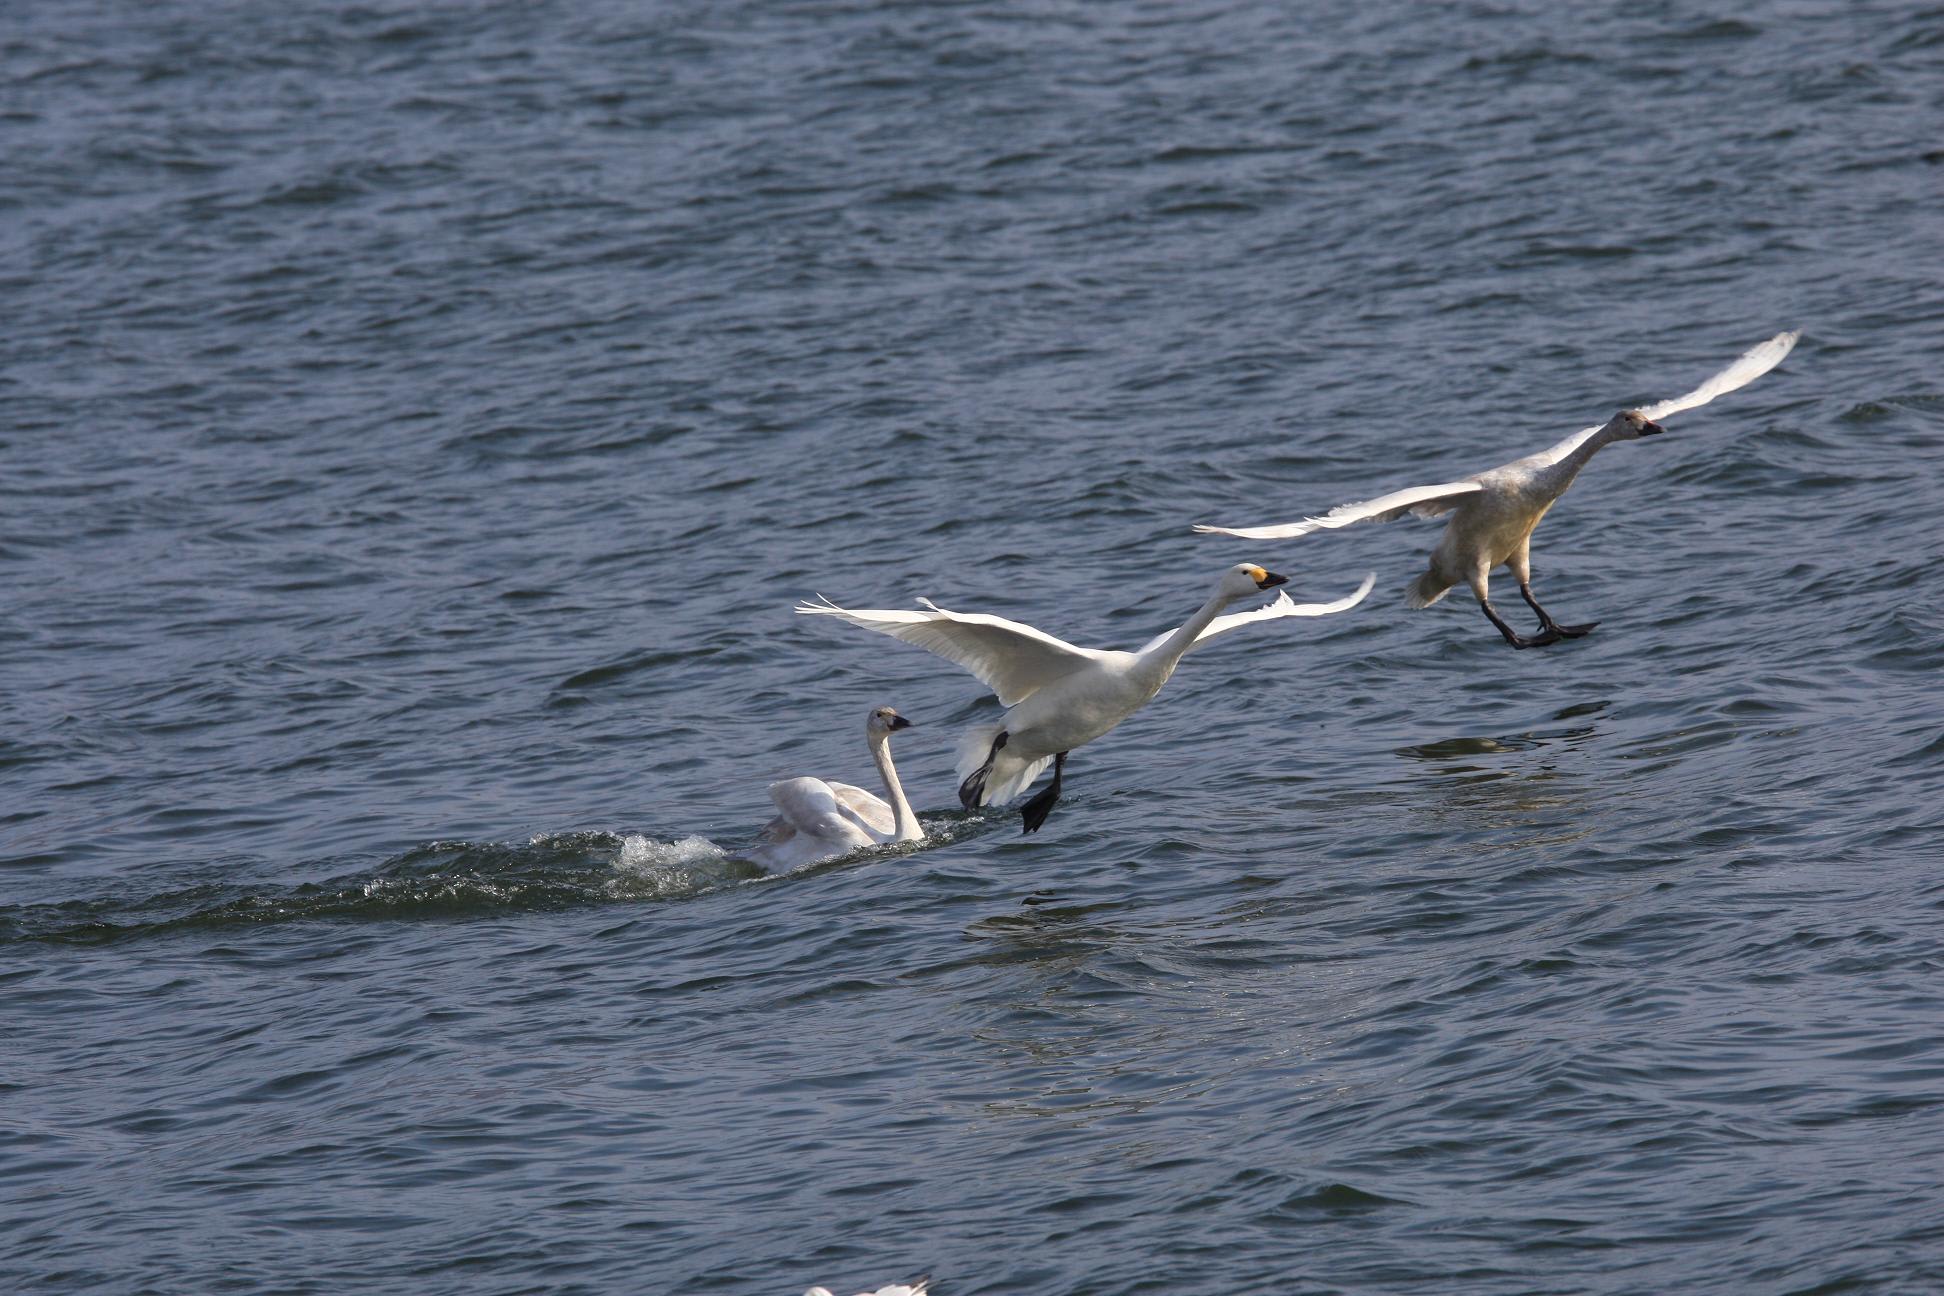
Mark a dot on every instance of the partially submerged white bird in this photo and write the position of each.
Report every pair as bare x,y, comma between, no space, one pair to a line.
1494,513
1059,696
891,1289
821,820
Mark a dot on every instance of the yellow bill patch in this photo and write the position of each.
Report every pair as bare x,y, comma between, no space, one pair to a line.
1258,575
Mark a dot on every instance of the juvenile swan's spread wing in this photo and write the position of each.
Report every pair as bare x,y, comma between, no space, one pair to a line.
1282,607
1748,366
1751,364
1013,660
1424,501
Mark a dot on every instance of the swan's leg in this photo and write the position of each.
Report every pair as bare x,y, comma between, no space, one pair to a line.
1520,564
1545,618
973,789
1480,587
1034,812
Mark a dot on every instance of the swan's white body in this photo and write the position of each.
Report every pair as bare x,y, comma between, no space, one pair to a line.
1494,513
1059,696
893,1289
821,820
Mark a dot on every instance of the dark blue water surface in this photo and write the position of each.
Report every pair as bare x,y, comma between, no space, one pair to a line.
417,421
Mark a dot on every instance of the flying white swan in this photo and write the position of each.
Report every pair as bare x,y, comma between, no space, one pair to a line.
822,820
892,1289
1494,513
1059,696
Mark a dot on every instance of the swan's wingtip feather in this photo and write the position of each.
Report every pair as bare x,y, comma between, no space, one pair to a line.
1282,531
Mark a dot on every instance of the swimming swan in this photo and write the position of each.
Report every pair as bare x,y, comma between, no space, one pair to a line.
1059,696
822,820
1494,513
894,1289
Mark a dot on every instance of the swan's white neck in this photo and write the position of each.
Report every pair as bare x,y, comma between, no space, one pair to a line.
1166,653
904,822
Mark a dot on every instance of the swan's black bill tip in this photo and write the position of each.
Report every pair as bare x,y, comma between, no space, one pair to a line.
1651,429
1270,580
898,722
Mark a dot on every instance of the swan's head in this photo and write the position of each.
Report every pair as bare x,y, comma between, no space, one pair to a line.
1247,578
884,722
1629,425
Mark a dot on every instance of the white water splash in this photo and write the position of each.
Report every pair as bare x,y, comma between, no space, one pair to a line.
647,867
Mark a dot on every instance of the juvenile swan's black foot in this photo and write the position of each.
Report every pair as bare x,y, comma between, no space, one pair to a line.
1547,635
1550,626
973,789
1034,812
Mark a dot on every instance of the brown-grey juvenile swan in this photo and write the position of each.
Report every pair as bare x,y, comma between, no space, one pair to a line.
1059,696
1493,513
820,820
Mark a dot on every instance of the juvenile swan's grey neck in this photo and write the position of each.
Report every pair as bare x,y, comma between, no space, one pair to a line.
1560,475
904,822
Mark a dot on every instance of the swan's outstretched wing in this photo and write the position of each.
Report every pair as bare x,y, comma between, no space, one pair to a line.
1013,660
1281,607
868,809
1748,366
1424,501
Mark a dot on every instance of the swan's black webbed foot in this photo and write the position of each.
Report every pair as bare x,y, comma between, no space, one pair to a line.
1513,637
1034,812
1550,626
972,791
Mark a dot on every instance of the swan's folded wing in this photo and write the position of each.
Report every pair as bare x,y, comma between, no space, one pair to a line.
810,806
1748,366
1280,607
1013,660
1423,501
870,811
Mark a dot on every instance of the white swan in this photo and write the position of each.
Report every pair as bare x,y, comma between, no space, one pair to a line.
1494,513
1059,696
892,1289
822,820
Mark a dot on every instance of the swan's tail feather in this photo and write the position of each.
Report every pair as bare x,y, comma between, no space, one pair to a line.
1425,590
975,744
1010,777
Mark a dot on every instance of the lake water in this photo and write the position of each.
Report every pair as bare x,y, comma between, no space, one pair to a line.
419,421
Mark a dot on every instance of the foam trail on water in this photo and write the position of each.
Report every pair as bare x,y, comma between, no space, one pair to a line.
646,867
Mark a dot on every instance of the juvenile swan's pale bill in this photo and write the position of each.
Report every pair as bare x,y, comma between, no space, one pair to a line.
1059,696
820,820
1494,513
894,1289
